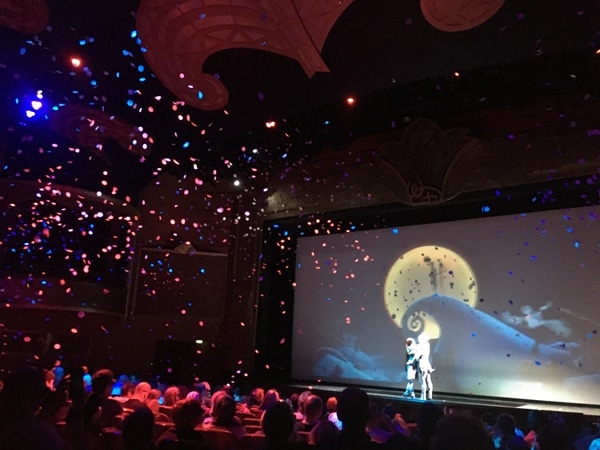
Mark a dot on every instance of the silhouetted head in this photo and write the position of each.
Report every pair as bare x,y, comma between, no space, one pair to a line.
278,422
138,429
353,408
186,414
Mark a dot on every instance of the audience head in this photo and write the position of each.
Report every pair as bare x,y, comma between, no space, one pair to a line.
331,404
536,419
154,394
138,430
294,401
142,390
554,437
186,414
224,411
24,392
313,408
278,422
256,397
194,395
203,387
127,389
506,424
172,395
460,432
353,408
323,435
102,382
50,379
429,414
271,397
301,399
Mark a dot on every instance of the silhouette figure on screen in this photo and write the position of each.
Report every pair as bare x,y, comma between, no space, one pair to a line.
412,364
424,366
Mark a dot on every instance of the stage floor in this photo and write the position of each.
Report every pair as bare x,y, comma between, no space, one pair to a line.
464,401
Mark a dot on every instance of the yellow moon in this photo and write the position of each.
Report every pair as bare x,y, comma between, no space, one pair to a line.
427,271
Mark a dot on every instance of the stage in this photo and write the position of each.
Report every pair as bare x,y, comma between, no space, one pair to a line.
478,404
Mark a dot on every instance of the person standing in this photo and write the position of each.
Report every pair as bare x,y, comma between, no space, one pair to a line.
424,366
412,364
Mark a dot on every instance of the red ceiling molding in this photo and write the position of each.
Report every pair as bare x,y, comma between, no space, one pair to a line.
459,15
24,16
90,128
179,36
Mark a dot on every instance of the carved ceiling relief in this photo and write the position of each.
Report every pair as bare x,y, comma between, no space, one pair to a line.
459,15
180,36
426,166
90,128
24,16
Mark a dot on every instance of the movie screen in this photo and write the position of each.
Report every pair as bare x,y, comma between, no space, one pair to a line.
509,306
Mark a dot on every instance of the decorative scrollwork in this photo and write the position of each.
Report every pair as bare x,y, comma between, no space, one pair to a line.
459,15
179,36
90,128
24,16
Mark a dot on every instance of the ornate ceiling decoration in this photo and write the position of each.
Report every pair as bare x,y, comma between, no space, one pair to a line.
90,128
24,16
459,15
180,36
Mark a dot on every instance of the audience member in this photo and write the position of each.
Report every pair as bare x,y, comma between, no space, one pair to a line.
278,423
299,413
271,397
223,416
505,435
256,398
138,430
186,415
554,437
153,400
429,414
332,414
21,397
100,411
139,397
324,435
313,409
353,411
536,420
127,391
460,432
171,396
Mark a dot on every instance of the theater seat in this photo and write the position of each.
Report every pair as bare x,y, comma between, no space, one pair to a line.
219,439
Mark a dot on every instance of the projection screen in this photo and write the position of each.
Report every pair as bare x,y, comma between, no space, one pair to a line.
510,305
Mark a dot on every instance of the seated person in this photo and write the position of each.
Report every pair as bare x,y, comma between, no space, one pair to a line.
324,435
127,390
186,415
271,397
20,429
139,397
223,416
153,400
138,430
100,411
313,411
460,431
172,395
278,424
